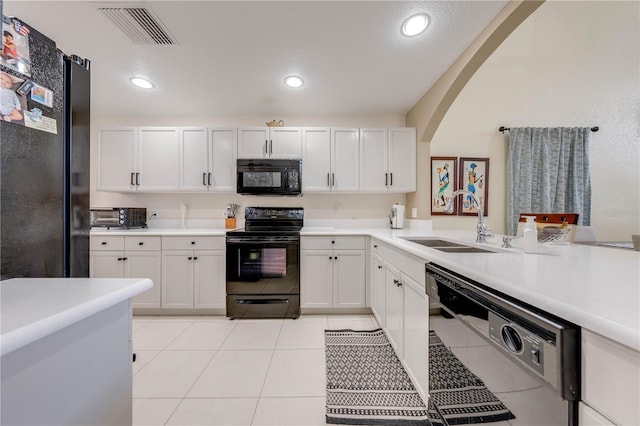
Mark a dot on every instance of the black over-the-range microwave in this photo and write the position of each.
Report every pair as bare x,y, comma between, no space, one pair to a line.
269,177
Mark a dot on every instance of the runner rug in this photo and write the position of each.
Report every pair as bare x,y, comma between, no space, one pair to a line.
367,385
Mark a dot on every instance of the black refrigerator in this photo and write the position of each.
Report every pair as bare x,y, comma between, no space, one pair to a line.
45,143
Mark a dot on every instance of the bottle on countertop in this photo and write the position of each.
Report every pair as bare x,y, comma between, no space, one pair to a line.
530,235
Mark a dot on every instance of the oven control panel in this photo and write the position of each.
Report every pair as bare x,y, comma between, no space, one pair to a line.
274,213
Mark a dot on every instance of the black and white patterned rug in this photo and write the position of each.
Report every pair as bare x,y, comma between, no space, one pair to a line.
367,385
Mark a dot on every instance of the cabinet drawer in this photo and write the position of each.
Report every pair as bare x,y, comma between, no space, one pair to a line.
333,243
193,243
139,243
107,242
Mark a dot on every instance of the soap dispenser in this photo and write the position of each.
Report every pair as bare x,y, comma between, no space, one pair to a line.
530,235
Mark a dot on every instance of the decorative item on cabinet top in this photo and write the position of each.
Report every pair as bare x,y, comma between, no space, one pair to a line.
274,123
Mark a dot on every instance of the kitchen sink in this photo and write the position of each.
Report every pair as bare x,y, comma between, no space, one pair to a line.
449,246
464,249
435,243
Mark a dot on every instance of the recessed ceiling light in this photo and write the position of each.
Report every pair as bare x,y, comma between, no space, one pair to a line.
141,82
415,24
293,81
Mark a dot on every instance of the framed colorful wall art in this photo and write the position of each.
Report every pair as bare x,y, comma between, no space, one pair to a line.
443,183
474,177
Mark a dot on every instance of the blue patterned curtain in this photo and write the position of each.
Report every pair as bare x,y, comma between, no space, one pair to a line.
548,172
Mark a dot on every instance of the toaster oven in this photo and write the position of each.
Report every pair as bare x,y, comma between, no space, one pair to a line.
119,217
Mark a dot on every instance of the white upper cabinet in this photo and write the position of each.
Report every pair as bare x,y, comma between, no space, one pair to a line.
208,159
374,174
117,156
316,159
270,142
345,160
402,159
388,158
139,159
158,159
222,159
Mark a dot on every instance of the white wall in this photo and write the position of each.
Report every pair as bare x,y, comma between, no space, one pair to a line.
212,206
572,63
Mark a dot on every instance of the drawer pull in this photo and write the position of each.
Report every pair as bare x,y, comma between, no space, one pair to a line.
104,243
119,259
333,242
193,243
190,258
379,266
375,246
141,243
195,258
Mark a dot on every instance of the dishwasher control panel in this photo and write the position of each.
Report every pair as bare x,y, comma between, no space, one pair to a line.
525,346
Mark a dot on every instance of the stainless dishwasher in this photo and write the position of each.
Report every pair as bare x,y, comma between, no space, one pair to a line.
496,360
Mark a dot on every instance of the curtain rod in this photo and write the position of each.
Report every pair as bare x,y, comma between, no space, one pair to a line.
503,129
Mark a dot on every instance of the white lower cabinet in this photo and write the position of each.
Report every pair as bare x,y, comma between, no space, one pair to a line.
610,381
416,334
378,293
129,257
333,278
394,308
401,306
587,416
193,278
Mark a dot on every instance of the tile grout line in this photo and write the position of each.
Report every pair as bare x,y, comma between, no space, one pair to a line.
197,378
264,381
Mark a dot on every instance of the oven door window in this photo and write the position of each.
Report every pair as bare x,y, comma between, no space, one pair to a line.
262,269
264,179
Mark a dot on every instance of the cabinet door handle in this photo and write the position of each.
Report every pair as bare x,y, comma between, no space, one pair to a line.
333,179
335,257
104,243
141,243
204,179
132,178
328,180
379,266
386,176
138,179
209,179
119,259
193,243
190,258
270,147
333,242
125,258
391,180
195,258
330,257
375,246
266,148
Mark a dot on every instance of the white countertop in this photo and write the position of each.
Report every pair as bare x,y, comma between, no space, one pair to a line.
161,231
32,308
595,287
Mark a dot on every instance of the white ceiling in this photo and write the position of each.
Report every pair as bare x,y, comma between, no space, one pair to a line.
232,56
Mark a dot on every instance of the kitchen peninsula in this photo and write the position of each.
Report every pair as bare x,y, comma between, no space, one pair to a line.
66,350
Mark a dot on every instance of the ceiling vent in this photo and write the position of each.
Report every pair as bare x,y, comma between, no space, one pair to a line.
138,22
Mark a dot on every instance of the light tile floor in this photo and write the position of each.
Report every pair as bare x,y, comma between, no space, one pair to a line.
210,370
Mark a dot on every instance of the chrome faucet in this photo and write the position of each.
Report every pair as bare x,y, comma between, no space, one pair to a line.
483,232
